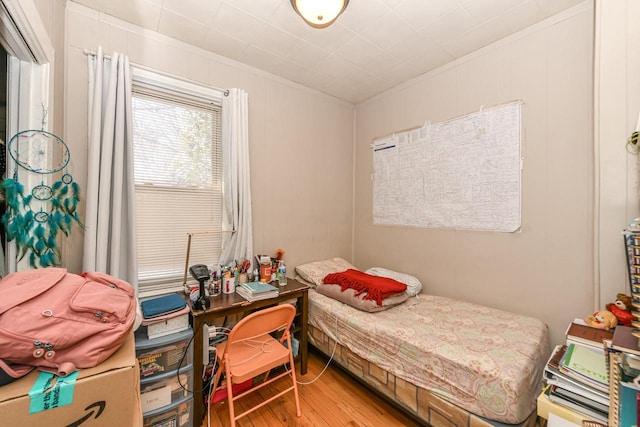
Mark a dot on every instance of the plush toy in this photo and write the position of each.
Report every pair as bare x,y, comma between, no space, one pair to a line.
621,309
603,319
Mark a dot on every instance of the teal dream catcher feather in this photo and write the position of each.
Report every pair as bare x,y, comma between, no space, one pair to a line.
34,218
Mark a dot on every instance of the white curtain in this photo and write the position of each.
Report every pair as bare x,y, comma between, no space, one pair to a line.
110,235
236,208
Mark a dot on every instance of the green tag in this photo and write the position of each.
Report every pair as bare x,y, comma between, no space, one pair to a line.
43,395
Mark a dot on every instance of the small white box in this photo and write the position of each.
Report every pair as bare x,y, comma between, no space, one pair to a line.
168,326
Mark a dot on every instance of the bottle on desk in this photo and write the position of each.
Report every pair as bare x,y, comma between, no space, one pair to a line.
282,274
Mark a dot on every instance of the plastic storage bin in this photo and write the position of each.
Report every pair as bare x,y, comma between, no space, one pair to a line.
166,389
180,414
164,354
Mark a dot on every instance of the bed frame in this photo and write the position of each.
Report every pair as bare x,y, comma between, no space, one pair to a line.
422,405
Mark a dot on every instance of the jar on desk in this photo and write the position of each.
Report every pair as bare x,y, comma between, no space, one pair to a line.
214,287
265,271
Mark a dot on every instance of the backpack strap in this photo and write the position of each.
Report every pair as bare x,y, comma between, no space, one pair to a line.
10,373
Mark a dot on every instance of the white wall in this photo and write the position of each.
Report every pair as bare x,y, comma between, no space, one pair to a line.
52,13
545,270
300,140
616,108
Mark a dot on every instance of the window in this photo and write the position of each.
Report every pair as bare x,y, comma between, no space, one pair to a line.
178,181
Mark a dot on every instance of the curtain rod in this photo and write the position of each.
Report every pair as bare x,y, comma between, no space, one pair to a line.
89,52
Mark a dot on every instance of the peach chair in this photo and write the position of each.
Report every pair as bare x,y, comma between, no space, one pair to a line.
251,350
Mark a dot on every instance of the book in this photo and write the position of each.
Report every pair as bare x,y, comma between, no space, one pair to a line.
586,335
628,394
553,376
624,340
569,395
258,287
255,297
587,365
589,412
556,356
591,394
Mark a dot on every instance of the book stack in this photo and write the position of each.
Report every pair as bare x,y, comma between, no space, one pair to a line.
577,373
581,334
254,291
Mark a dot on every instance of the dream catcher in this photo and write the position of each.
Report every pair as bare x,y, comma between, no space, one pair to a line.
34,218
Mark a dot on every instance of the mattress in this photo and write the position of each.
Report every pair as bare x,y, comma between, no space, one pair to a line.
488,362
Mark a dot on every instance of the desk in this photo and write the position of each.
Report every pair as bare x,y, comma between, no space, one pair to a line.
230,304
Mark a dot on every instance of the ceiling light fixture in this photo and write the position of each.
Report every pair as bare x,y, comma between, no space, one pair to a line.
319,13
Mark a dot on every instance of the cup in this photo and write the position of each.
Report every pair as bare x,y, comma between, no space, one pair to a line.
228,285
282,280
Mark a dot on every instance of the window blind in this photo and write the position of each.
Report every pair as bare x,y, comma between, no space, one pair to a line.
178,184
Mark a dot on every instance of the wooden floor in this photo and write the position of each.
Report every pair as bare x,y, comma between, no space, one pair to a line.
334,399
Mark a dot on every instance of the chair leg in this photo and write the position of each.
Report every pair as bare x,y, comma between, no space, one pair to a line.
216,379
292,367
232,415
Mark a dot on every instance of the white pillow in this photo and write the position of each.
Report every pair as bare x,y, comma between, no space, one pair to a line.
315,271
413,284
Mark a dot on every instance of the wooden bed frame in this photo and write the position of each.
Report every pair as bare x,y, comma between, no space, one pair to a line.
422,405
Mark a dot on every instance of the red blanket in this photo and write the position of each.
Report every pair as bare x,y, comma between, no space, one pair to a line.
377,288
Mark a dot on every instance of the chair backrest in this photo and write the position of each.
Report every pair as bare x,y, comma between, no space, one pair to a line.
262,322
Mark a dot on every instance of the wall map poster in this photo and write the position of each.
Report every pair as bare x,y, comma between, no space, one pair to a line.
464,173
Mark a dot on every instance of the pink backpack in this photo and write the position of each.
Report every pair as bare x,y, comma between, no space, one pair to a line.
59,322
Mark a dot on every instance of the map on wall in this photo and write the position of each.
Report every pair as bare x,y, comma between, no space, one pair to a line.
463,173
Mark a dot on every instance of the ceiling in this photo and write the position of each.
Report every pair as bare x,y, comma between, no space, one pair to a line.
373,46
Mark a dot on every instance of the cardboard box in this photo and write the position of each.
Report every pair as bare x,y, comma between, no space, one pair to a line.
107,395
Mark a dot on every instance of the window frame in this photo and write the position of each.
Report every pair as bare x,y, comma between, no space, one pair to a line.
151,81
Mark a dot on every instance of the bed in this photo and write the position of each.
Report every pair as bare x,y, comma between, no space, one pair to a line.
446,362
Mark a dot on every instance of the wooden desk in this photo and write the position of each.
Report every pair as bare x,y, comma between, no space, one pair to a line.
229,304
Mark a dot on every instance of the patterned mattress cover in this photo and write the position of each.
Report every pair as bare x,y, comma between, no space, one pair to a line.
487,361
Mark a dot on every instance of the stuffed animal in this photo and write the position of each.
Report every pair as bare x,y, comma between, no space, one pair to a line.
603,319
621,309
